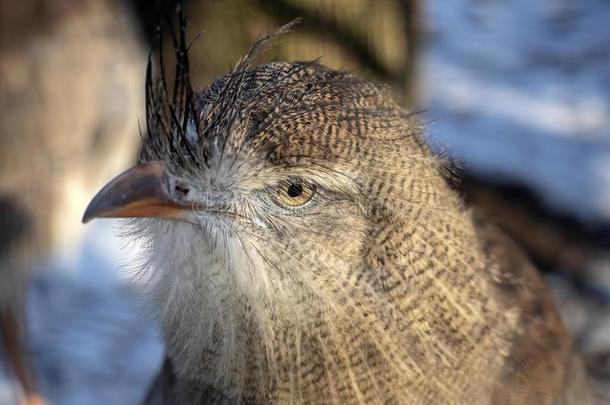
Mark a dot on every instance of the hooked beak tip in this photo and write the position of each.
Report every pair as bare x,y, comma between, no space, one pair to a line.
86,218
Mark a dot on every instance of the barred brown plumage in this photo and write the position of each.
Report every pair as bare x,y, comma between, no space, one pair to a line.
381,287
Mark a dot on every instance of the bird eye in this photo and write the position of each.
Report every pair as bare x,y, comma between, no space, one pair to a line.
295,193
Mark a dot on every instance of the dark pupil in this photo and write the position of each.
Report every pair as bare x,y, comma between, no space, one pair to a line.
295,190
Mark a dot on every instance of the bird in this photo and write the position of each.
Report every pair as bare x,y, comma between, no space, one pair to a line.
303,244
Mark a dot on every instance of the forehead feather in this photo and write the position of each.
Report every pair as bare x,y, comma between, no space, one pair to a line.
272,108
291,102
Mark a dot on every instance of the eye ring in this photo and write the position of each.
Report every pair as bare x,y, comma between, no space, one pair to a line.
294,193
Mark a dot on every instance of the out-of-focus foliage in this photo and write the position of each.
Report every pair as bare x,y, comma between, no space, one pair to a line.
375,38
70,94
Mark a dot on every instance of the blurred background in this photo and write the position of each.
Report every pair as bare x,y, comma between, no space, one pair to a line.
516,93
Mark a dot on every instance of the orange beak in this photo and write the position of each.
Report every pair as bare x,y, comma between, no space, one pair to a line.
142,191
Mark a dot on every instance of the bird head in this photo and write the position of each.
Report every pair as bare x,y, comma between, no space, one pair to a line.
269,198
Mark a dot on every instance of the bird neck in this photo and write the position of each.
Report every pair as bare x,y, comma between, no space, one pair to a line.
419,310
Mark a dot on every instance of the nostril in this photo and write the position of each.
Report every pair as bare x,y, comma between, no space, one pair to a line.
181,190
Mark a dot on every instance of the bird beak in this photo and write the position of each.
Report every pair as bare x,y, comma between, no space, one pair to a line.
142,191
